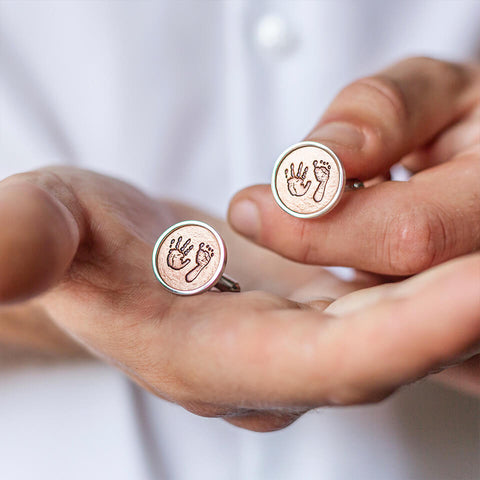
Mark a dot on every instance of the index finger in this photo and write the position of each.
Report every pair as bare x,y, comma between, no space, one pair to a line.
377,120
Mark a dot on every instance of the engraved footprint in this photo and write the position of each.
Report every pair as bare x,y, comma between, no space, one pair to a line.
322,174
204,255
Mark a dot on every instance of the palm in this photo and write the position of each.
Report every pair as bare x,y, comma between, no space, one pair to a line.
177,260
238,355
297,186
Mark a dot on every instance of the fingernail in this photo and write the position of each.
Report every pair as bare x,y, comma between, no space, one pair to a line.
340,133
244,218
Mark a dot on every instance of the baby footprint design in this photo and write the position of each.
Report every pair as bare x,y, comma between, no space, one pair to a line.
204,255
322,174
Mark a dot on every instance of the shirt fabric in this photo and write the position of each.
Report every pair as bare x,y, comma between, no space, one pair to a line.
194,100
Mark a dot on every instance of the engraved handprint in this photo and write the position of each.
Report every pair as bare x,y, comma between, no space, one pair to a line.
203,258
322,174
296,182
176,255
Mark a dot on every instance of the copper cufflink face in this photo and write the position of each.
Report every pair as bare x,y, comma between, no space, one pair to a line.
190,258
308,180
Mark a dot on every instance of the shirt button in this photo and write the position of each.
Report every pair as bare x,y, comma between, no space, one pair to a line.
274,35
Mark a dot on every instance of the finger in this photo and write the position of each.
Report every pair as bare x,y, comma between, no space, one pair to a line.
351,354
464,377
394,228
185,245
41,228
460,137
179,241
263,422
292,170
299,171
257,420
377,120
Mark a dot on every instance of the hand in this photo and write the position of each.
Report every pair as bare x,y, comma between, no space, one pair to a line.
29,337
84,242
296,181
176,254
421,112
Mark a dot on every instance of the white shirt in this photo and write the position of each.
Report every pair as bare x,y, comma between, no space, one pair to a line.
194,100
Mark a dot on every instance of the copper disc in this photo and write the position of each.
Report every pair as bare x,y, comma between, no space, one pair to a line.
308,180
189,258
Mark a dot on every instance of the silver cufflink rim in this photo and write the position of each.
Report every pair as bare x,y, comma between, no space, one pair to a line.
343,183
218,280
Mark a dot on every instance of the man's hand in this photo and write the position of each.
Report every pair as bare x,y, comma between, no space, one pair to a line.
421,112
81,244
28,336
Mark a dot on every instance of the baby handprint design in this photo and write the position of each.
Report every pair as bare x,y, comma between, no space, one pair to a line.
296,182
204,255
176,255
322,174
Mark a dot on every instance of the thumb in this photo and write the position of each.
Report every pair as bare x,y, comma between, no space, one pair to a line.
393,228
39,235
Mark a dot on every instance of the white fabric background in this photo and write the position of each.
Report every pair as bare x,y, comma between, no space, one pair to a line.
194,100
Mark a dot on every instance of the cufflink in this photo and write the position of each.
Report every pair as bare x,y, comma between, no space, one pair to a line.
309,179
189,258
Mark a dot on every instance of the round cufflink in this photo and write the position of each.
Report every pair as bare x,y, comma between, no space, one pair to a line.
190,258
309,179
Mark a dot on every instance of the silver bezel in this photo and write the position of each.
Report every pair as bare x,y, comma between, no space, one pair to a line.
218,273
338,193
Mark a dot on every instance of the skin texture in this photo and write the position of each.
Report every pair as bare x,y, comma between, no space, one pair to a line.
80,244
27,335
424,114
421,112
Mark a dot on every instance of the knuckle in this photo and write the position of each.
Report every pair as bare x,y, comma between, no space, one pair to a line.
381,111
422,62
426,65
383,94
414,241
453,76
